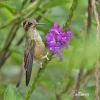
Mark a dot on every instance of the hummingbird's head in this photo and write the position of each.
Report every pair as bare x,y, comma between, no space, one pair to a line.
30,23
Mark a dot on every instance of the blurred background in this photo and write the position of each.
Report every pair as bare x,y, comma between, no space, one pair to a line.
58,76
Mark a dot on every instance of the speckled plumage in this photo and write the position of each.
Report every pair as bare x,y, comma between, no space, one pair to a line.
38,49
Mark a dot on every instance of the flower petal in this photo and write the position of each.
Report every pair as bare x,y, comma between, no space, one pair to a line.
56,24
57,40
70,33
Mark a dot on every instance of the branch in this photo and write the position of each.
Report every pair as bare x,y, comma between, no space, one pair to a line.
8,42
79,80
97,51
9,53
89,16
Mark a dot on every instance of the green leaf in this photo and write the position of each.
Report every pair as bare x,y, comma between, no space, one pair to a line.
17,5
3,86
54,3
45,17
12,94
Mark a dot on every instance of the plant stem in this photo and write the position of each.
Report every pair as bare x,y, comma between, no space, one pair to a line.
97,51
70,15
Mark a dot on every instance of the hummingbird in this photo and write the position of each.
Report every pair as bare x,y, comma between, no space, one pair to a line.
34,48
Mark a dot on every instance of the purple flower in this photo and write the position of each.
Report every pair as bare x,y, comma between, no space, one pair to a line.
57,40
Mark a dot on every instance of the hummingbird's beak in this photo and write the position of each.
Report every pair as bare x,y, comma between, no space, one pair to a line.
40,24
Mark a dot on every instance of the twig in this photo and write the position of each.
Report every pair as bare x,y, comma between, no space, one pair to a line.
89,16
97,52
30,13
97,80
87,80
8,43
39,17
20,40
87,76
9,53
23,3
79,80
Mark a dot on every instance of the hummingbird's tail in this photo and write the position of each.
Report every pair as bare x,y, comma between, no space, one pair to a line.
20,77
28,75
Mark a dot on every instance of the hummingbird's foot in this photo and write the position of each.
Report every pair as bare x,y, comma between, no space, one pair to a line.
40,63
46,56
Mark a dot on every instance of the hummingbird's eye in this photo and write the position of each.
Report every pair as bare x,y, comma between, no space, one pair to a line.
29,24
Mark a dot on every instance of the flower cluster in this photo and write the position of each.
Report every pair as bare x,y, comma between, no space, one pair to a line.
57,40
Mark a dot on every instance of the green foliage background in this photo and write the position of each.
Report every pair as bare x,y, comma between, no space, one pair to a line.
57,73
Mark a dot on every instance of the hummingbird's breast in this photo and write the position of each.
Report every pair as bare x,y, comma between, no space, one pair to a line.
39,47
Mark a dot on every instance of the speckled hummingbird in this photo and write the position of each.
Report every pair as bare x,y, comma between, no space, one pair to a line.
34,48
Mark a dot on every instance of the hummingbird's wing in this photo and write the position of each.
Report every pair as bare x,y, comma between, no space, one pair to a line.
28,62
